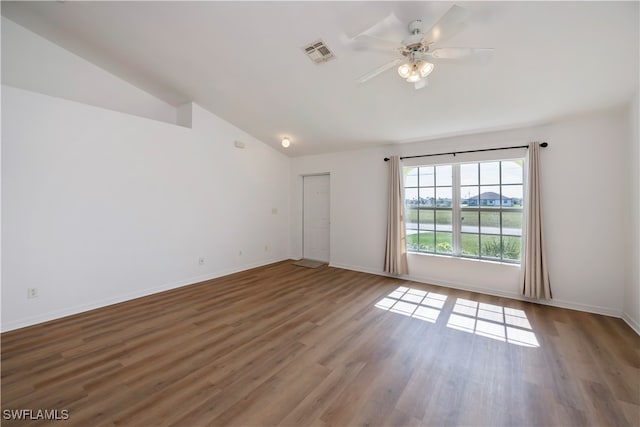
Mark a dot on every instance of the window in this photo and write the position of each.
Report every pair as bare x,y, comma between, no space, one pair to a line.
471,210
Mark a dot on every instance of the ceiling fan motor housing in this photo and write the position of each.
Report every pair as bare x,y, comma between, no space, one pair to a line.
414,42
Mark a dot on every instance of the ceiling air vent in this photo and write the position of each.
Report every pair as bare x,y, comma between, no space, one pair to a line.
318,52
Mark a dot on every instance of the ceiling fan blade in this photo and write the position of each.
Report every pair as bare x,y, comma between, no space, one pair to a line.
365,41
420,84
451,23
458,52
381,69
389,27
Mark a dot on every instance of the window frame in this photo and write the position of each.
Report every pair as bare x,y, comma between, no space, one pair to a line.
457,210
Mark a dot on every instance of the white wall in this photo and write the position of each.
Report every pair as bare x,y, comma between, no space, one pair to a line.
101,206
584,188
632,285
34,63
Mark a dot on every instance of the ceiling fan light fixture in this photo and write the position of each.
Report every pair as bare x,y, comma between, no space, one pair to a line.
405,70
425,68
419,45
414,76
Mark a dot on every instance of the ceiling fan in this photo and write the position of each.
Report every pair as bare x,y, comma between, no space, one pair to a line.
418,48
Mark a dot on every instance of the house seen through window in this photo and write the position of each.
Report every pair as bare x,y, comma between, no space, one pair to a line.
469,210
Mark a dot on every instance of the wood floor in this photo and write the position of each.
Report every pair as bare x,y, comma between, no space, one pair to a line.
286,345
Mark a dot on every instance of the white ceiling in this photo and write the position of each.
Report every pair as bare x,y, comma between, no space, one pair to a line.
243,61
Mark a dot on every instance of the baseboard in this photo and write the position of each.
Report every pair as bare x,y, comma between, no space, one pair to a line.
57,314
471,288
633,324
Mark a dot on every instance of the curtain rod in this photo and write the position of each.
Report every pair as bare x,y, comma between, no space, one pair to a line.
542,144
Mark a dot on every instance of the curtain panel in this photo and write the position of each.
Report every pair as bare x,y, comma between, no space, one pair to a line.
534,274
395,259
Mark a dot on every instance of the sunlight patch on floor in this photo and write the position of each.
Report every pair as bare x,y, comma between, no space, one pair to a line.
414,303
492,321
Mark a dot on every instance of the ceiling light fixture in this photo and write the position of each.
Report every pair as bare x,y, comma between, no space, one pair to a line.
425,68
286,142
404,70
415,70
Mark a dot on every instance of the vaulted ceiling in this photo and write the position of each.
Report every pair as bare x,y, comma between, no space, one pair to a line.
243,61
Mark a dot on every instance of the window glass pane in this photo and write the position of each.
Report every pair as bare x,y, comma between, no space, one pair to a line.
426,242
411,222
410,177
444,220
490,197
426,176
490,222
490,173
412,240
512,223
426,196
426,219
511,248
490,246
444,174
443,197
469,174
410,197
469,221
512,196
512,172
469,196
444,242
410,218
469,243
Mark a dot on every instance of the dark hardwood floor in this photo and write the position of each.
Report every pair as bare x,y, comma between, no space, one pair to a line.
286,345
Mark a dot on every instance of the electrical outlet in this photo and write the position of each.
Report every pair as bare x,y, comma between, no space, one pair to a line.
201,261
239,253
32,292
274,211
266,248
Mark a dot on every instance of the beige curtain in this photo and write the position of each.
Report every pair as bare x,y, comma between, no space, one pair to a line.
395,258
534,275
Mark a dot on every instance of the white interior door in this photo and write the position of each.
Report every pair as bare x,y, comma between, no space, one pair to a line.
315,224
